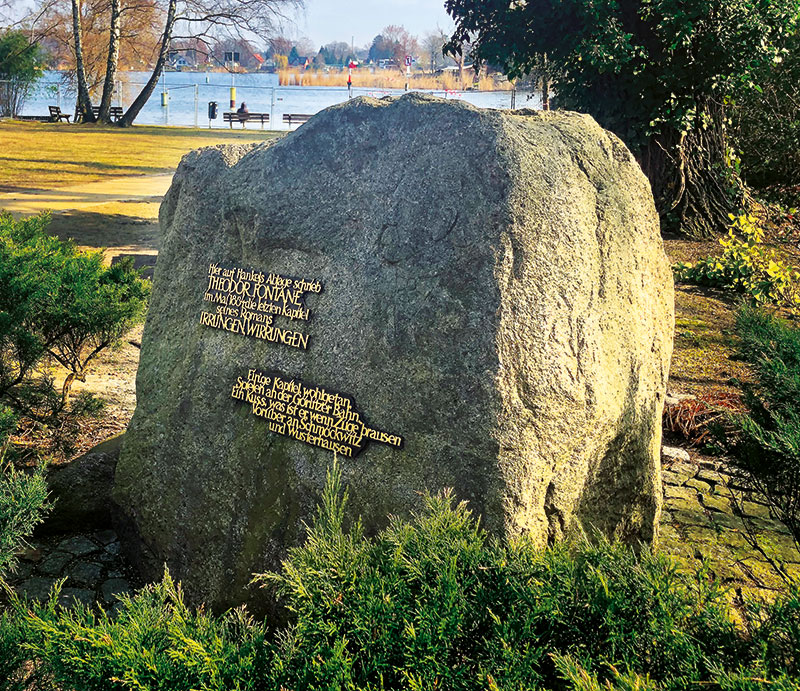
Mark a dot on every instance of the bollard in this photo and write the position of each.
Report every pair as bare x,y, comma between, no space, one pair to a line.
233,98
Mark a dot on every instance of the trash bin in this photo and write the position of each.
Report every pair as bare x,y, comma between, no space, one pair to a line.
212,110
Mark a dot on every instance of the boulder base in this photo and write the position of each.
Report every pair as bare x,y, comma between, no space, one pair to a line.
495,291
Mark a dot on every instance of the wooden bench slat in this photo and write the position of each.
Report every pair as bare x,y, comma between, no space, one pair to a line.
296,117
114,111
56,115
245,117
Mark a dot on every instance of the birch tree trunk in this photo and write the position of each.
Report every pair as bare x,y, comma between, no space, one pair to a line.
545,84
84,105
111,64
147,89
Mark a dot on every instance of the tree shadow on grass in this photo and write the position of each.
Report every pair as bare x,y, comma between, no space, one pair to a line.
115,232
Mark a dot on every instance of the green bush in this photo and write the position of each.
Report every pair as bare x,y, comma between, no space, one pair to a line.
153,642
746,267
766,444
432,603
57,304
766,122
22,504
20,68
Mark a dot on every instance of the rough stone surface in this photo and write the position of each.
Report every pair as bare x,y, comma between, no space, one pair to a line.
54,563
90,580
672,453
70,596
82,490
79,545
495,291
85,573
114,587
36,588
698,524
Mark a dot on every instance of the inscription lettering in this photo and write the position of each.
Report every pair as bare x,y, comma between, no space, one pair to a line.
247,303
308,413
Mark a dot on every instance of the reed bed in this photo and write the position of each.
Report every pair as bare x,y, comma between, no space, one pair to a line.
391,79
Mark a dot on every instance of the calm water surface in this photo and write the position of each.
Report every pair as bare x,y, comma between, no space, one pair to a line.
190,93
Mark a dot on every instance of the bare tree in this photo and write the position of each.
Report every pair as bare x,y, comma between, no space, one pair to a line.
433,48
400,43
113,35
112,61
205,18
280,45
84,105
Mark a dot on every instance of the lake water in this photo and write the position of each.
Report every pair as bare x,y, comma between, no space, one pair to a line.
190,93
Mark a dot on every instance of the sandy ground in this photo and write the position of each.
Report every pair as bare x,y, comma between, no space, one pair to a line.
85,196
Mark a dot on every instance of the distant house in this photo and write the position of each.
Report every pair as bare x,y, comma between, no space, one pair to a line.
187,57
237,53
179,62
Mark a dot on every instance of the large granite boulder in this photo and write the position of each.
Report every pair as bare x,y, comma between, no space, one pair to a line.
490,286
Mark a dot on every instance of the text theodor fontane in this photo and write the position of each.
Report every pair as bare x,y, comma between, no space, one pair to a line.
308,413
248,302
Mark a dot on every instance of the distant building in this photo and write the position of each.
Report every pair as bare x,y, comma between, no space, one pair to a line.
188,55
236,53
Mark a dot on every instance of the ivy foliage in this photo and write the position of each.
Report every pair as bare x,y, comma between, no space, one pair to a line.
767,124
640,67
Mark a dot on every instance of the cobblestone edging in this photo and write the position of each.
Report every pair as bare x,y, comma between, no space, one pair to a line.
92,565
709,511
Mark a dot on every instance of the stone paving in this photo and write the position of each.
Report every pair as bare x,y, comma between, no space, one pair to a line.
708,511
92,565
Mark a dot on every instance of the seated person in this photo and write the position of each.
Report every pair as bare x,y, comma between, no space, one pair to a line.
242,113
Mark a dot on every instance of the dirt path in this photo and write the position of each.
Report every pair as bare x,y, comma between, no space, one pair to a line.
85,196
119,216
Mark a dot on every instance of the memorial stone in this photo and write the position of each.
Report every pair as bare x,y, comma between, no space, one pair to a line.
439,295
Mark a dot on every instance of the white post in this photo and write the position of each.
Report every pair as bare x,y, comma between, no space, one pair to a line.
196,106
273,126
119,93
58,90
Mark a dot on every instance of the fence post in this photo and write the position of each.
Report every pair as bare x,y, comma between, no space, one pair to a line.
272,111
196,105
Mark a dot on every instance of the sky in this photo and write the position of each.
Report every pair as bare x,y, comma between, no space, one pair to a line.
324,21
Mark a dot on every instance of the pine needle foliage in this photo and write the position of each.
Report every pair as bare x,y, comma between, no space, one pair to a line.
58,305
766,444
154,641
430,603
23,501
434,603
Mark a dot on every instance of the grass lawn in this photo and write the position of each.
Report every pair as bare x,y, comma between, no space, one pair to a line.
38,155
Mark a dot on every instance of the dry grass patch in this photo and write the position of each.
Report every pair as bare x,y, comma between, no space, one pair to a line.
703,359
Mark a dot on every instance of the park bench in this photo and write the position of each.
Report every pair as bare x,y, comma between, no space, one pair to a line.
114,111
56,115
297,118
230,118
